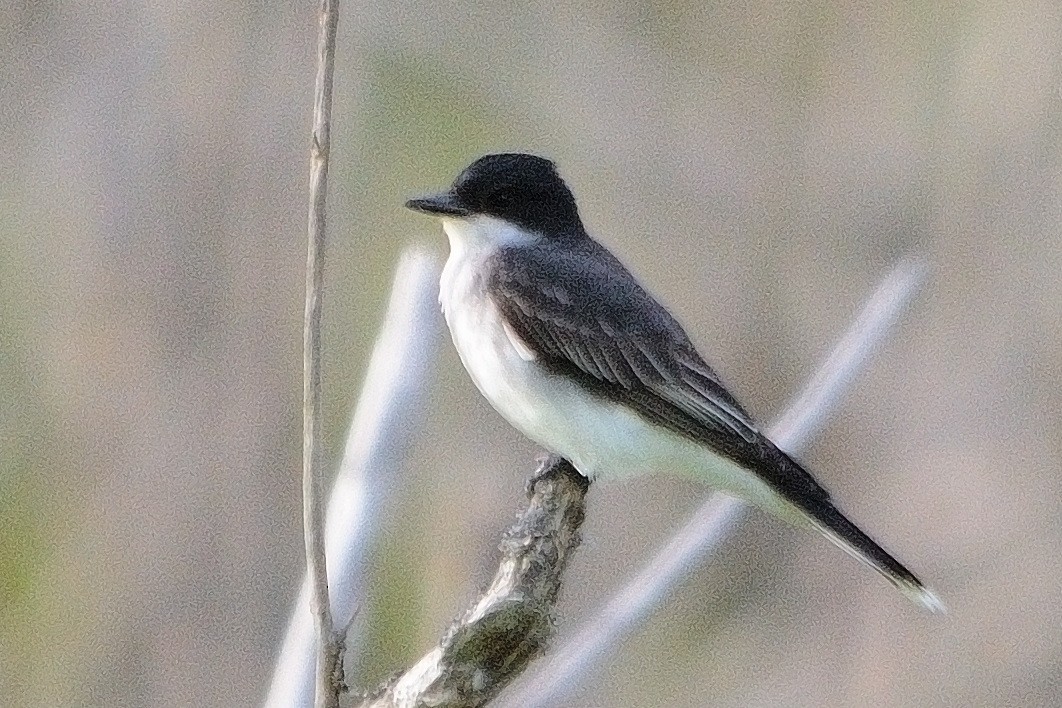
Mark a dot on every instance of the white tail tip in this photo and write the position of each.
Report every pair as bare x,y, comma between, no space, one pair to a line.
925,598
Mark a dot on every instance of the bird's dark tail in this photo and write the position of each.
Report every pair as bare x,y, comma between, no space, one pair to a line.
825,517
812,505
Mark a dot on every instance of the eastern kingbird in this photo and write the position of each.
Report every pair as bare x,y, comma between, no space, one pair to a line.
573,352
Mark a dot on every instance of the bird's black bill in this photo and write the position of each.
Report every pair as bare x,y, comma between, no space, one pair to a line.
444,204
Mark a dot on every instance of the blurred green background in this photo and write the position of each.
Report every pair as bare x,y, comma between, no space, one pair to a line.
760,165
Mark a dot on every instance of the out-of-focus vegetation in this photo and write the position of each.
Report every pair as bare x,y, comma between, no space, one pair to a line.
759,164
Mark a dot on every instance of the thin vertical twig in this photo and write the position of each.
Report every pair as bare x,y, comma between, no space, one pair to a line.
329,665
387,416
551,683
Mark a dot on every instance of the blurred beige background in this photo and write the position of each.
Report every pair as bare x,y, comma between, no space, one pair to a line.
761,165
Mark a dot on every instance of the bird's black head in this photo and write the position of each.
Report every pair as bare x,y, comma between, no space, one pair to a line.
523,189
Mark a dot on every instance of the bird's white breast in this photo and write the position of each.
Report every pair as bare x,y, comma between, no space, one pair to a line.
504,372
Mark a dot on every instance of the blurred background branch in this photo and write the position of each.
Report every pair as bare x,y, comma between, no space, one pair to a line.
386,419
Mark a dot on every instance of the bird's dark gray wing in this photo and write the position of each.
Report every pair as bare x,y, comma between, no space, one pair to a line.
583,315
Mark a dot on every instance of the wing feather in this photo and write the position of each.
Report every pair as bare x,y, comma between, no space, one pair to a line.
595,322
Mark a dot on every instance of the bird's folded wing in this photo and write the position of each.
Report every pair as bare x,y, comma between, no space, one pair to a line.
583,317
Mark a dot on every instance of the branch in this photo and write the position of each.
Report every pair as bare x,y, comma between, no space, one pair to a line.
329,677
511,623
387,416
697,541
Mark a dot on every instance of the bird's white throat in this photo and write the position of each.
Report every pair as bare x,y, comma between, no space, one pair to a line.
472,241
483,232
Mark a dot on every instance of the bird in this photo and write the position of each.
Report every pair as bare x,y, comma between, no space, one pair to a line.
566,344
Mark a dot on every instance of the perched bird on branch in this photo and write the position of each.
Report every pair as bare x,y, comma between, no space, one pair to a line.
566,344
